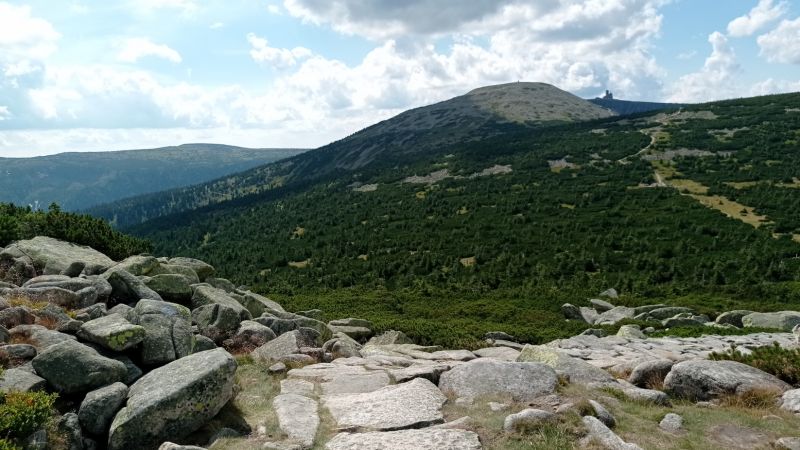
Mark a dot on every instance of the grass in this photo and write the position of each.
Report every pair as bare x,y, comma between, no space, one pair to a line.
731,209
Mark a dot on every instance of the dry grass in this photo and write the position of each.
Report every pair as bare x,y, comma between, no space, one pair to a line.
21,300
732,209
689,186
49,322
758,398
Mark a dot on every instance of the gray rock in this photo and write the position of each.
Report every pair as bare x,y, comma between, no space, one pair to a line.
500,353
359,333
610,293
216,321
703,379
315,314
671,423
174,446
128,288
138,265
601,305
784,320
790,401
522,381
222,283
284,345
121,309
646,308
415,404
258,304
174,400
650,373
351,322
100,406
36,441
299,387
16,315
206,295
695,321
70,430
252,334
603,414
602,435
133,371
171,287
39,336
589,315
202,343
390,337
663,313
71,367
168,333
112,332
787,443
277,368
16,354
571,312
631,332
297,418
578,370
597,332
54,256
494,335
528,419
732,317
20,380
92,312
202,269
645,395
614,315
425,439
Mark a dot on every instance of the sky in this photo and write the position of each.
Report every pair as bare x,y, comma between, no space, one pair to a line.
81,75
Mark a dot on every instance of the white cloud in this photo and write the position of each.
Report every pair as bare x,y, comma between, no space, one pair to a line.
274,9
23,36
687,55
279,58
770,86
761,15
134,49
150,6
782,45
5,114
714,81
217,25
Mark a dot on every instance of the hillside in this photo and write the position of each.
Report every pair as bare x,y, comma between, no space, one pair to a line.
80,180
695,207
480,114
627,107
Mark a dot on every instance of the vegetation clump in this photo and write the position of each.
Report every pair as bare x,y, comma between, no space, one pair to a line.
22,413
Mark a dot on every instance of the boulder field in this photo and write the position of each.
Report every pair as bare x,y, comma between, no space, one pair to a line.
141,353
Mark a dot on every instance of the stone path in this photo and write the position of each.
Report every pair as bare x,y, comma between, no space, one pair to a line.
611,351
388,398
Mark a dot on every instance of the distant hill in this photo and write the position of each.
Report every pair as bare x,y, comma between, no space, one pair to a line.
479,114
626,107
80,180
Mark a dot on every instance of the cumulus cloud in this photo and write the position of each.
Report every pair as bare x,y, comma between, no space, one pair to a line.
134,49
782,44
24,36
279,58
149,6
761,15
715,80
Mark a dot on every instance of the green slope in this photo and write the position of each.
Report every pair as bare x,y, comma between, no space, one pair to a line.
80,180
580,210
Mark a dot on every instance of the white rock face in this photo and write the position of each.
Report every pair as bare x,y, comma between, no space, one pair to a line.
297,417
791,401
425,439
408,405
521,381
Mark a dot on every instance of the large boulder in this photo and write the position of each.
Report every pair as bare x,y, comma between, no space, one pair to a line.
71,367
663,313
202,269
171,287
733,317
207,295
100,406
614,315
424,439
650,373
216,321
168,331
578,370
251,335
112,332
390,337
53,256
286,344
704,379
783,320
257,304
522,381
174,400
21,380
138,265
128,288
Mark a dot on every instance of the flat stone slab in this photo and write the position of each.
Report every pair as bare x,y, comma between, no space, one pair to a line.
299,387
522,381
501,353
297,417
415,404
425,439
354,384
112,332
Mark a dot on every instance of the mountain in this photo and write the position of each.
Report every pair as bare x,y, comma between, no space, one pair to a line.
627,107
696,207
79,180
480,114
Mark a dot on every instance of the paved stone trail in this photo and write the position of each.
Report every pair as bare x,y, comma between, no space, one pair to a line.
388,399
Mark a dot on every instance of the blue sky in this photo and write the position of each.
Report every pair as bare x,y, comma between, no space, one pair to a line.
80,75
